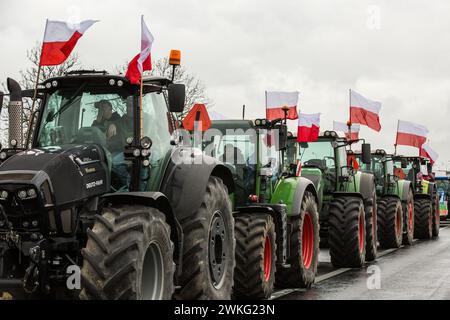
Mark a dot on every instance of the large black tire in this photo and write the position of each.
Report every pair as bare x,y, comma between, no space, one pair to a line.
304,247
347,232
408,220
423,219
436,216
371,228
208,248
390,222
128,247
254,275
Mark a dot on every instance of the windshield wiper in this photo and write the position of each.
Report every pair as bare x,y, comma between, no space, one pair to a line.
67,104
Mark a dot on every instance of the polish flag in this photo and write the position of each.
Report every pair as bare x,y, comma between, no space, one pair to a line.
411,134
308,127
343,127
143,61
429,153
364,111
276,100
60,39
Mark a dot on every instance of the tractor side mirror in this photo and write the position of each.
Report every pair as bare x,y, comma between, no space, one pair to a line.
282,137
177,97
366,153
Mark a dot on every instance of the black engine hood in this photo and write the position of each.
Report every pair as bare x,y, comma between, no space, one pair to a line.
74,172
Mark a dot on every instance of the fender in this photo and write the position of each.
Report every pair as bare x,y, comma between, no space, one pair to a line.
186,179
290,191
404,191
366,186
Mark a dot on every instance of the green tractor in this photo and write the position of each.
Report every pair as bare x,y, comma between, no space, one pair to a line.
418,170
395,212
106,193
347,198
276,217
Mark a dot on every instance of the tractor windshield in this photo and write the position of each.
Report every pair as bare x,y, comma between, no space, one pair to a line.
318,154
404,173
376,167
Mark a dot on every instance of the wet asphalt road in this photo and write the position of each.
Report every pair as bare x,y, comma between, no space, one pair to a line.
420,272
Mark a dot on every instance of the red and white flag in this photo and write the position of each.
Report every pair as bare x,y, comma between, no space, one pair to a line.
343,127
276,100
411,134
429,153
364,111
308,127
143,61
60,39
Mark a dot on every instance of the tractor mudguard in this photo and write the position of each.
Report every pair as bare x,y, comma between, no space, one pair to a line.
366,186
405,186
290,191
186,179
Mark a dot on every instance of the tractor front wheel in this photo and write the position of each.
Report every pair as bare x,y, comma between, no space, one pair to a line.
304,247
256,249
208,247
423,219
128,255
347,232
390,222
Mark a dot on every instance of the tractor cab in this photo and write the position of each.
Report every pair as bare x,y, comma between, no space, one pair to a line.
93,115
418,170
251,149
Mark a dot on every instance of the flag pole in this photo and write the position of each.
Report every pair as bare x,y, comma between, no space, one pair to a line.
141,111
35,89
396,139
349,123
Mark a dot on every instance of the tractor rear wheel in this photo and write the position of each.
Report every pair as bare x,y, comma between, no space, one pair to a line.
304,247
371,228
128,255
390,222
347,232
436,216
408,220
256,248
208,247
423,219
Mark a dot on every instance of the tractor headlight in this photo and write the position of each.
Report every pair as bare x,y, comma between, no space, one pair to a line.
13,143
31,193
3,155
146,143
120,83
327,133
112,82
333,134
4,195
130,141
136,153
257,122
146,163
22,194
54,84
264,122
145,153
48,85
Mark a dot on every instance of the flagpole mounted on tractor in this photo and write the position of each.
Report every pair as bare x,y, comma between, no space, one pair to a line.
349,123
396,139
285,110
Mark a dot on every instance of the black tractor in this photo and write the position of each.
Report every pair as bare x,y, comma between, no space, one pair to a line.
105,190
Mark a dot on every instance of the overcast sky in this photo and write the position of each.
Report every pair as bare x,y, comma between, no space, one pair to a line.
396,52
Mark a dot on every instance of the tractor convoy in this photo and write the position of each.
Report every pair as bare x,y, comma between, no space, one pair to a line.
105,184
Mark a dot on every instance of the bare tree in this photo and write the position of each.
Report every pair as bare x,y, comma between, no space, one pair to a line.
29,75
195,90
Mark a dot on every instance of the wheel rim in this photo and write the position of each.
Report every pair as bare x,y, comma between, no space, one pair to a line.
361,233
410,217
217,250
398,223
307,241
267,258
152,285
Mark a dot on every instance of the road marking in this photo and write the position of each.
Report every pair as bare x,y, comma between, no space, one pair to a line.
326,276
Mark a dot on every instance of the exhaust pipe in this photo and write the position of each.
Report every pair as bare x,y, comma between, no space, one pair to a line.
15,113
